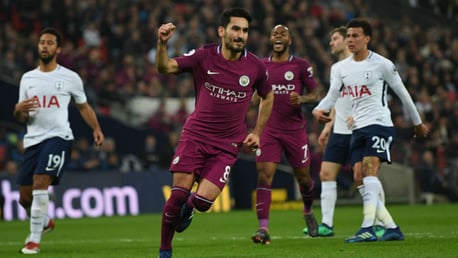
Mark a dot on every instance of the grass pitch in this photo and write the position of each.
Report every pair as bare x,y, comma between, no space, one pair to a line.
430,231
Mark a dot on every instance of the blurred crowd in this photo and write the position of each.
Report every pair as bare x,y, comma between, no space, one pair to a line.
111,44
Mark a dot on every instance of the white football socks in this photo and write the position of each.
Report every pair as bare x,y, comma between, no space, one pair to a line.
383,215
38,213
328,201
370,200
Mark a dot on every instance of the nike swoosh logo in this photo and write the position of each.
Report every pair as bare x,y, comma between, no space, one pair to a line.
49,169
304,160
211,72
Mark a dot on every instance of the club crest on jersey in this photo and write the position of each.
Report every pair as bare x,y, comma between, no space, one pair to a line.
258,152
244,80
59,85
289,75
367,75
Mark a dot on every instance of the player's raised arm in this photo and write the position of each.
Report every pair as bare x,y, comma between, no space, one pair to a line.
164,63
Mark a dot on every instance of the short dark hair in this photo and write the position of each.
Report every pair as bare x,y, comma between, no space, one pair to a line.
54,32
225,17
342,30
361,23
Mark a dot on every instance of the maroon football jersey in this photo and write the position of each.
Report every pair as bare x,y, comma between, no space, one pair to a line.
223,94
294,75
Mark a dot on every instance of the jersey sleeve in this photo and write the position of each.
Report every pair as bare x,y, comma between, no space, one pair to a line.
307,77
393,79
189,60
334,90
22,93
263,85
78,94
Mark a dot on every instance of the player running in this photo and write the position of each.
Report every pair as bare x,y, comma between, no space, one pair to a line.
44,97
225,77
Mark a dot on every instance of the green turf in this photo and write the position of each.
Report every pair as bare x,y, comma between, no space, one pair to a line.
430,231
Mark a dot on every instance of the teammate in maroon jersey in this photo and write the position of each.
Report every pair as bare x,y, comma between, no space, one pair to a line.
293,83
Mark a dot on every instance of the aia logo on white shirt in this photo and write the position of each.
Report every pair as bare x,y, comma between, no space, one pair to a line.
355,91
46,101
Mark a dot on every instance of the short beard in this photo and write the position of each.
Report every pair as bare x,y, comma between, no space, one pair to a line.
46,60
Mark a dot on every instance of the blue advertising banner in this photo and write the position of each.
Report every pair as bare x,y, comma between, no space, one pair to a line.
95,194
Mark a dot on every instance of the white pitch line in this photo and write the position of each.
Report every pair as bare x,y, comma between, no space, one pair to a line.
416,235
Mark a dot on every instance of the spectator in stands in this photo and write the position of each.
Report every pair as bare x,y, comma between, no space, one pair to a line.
88,155
16,148
161,120
75,162
108,156
167,150
150,155
182,113
3,147
9,67
11,169
430,179
414,41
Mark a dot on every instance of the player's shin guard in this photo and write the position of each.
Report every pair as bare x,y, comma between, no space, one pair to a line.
370,200
307,196
383,215
38,212
328,202
171,215
263,202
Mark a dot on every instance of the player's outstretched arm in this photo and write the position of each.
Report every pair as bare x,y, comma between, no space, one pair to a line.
421,130
88,114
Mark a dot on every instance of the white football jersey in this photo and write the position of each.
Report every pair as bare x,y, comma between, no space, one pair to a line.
342,110
53,92
367,82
